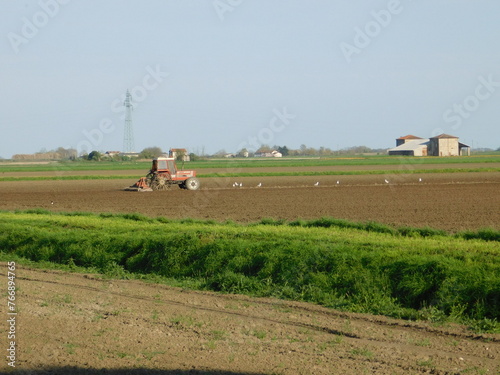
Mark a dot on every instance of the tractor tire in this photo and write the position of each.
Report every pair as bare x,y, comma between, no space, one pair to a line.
161,182
192,183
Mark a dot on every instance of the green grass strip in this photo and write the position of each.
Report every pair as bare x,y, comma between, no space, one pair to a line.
349,173
251,163
407,273
69,178
258,174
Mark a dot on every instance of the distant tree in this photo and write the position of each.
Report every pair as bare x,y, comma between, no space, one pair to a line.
243,153
193,157
180,155
311,151
325,151
355,150
283,150
303,149
66,153
220,153
263,149
95,156
150,153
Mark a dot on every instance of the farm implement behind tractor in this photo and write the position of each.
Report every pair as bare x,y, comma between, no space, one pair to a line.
164,175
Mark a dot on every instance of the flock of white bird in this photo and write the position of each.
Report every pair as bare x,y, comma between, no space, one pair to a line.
385,180
240,184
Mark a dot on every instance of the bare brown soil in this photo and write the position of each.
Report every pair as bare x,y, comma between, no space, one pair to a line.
81,324
454,201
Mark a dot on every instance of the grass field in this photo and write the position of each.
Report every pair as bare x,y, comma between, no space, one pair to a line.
400,272
252,163
255,167
256,174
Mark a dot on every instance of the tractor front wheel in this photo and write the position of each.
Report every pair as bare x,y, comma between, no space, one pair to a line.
192,183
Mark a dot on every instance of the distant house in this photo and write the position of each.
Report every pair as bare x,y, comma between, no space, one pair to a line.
410,145
130,154
176,152
441,145
447,145
272,154
402,140
112,153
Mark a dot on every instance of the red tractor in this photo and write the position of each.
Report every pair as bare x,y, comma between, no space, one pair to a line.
164,175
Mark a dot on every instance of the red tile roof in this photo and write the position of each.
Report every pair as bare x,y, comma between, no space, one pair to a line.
409,136
444,136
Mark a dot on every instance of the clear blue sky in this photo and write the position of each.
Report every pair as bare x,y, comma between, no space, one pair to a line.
222,74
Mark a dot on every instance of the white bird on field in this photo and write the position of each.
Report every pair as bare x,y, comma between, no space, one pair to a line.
241,184
386,181
338,182
316,184
260,184
51,202
419,180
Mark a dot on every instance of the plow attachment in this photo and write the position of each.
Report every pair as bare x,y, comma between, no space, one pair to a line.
141,185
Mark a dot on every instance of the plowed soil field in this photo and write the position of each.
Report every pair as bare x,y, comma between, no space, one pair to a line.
454,201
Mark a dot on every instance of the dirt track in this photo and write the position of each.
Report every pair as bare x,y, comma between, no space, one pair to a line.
454,202
77,324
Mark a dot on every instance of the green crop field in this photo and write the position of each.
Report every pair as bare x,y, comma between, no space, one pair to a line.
341,161
250,163
63,167
237,167
363,267
257,174
347,173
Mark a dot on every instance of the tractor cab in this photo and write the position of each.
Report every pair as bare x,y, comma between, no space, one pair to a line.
163,164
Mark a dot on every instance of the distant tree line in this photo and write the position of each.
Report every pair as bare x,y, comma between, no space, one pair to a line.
303,150
60,153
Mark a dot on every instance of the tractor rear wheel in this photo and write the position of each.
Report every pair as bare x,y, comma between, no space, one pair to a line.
192,183
161,182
